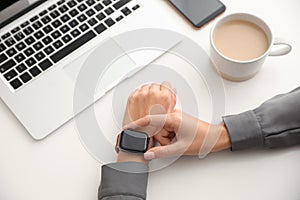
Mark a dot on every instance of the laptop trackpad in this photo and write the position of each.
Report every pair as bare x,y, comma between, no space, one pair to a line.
100,69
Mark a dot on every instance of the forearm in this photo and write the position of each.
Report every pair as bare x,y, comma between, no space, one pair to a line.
123,181
126,179
276,123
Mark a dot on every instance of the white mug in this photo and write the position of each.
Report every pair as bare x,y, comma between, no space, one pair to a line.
237,70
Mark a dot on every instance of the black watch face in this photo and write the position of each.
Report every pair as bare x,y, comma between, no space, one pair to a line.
135,141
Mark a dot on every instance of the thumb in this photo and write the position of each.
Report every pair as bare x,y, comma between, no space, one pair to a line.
162,151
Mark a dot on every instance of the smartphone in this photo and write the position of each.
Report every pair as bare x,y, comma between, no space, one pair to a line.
199,12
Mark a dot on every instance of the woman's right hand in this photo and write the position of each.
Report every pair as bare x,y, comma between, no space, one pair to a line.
185,133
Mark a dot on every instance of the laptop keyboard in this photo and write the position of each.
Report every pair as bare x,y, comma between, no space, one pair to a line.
28,50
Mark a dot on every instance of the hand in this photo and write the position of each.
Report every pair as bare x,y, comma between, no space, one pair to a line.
189,137
150,99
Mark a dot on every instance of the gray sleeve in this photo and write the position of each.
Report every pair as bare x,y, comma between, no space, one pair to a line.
123,181
276,123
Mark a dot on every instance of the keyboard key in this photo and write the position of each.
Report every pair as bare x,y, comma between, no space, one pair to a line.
61,2
7,65
38,35
34,18
107,2
3,58
109,11
52,7
73,12
45,64
35,71
75,33
37,46
9,42
44,12
47,29
64,29
92,22
28,52
135,7
29,40
15,30
39,56
29,62
100,28
20,46
46,19
71,4
5,36
28,30
90,12
109,22
25,24
66,38
72,46
58,44
83,27
63,9
98,7
20,57
90,2
56,34
21,68
54,14
47,40
126,11
81,18
16,83
10,75
48,50
37,25
19,36
2,47
119,18
100,16
65,18
120,4
56,23
82,7
11,52
25,77
73,23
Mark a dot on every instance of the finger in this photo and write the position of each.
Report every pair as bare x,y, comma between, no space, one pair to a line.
162,151
162,140
145,88
154,87
172,103
166,86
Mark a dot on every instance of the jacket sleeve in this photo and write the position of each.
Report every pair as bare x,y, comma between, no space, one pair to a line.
123,181
276,123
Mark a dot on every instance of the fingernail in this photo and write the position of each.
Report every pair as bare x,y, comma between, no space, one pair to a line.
149,155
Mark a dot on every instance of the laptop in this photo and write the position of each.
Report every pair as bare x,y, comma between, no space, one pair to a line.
44,44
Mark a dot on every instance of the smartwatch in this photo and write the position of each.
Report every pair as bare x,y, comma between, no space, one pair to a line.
133,141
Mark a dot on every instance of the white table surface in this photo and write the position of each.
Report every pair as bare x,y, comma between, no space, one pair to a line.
60,168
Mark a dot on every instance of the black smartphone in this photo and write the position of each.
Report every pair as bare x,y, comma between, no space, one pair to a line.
199,12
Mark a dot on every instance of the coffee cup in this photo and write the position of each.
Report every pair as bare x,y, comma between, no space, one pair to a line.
240,44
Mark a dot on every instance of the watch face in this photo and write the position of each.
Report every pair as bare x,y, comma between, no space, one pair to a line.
135,141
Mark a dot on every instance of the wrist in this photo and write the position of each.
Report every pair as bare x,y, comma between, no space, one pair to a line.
223,140
130,157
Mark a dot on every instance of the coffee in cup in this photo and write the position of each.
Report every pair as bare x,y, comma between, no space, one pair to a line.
240,44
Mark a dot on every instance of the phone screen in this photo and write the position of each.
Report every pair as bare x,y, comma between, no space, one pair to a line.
199,12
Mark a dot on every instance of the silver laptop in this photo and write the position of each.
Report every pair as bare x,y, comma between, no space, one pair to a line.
43,45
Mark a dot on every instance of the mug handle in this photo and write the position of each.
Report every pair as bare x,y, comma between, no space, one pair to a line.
285,49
